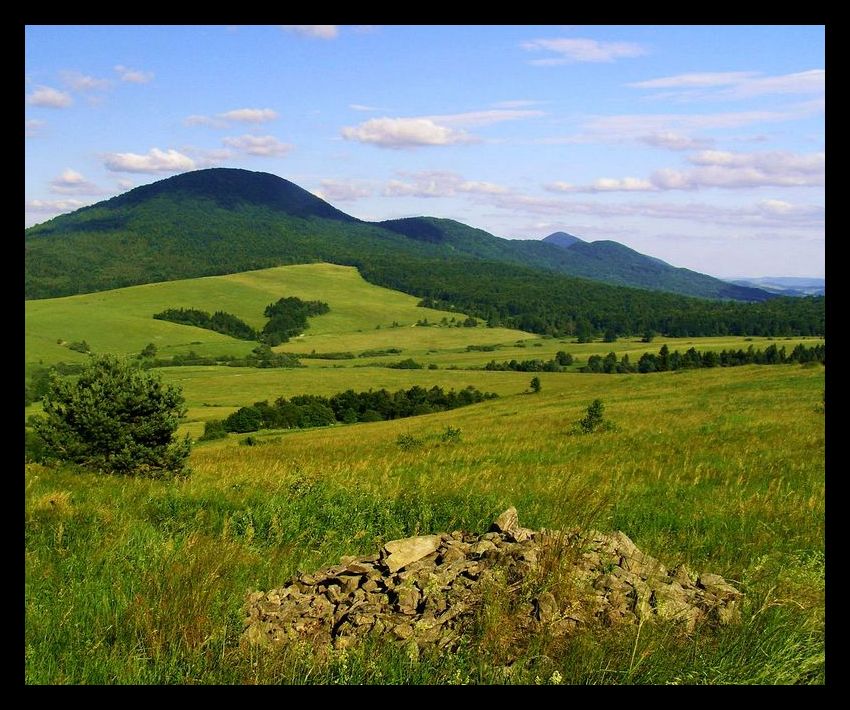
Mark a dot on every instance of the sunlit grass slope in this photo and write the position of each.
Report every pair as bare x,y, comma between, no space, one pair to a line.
133,581
120,321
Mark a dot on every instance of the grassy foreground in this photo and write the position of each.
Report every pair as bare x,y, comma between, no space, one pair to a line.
131,581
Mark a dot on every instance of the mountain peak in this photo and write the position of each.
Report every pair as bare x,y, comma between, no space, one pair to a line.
229,187
562,239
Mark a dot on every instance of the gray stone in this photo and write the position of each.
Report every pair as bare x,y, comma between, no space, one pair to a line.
507,521
546,608
424,591
401,553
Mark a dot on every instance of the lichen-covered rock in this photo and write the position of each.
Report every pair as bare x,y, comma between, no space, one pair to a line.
424,590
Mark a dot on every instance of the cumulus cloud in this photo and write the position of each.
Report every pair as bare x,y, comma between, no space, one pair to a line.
154,161
249,115
718,169
735,85
317,31
133,76
49,97
628,127
404,133
482,118
70,182
52,206
258,145
439,183
228,118
442,129
762,214
674,141
32,127
724,169
582,50
82,82
342,191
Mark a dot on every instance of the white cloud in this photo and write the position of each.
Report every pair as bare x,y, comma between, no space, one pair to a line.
70,182
228,118
404,133
482,118
83,82
125,184
735,85
674,141
258,145
762,214
155,161
133,76
582,50
627,127
198,120
317,31
626,184
362,107
249,115
49,97
341,191
32,127
724,169
429,130
439,183
52,206
694,80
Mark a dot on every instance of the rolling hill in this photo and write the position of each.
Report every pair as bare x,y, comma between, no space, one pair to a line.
224,220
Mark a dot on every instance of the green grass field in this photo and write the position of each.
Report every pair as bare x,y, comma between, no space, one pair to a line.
135,581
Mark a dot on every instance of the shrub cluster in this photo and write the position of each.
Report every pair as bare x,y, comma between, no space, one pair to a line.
557,364
665,360
220,322
347,407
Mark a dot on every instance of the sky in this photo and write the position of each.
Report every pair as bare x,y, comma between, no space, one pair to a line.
703,146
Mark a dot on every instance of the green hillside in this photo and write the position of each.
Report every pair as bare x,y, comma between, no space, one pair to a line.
120,321
224,220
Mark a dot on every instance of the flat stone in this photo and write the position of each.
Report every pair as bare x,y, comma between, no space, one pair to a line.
482,546
546,608
507,521
401,553
716,585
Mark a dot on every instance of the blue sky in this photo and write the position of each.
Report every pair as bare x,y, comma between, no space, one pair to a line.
703,146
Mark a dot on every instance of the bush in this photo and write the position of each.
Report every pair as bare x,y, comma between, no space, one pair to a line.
214,429
593,420
115,418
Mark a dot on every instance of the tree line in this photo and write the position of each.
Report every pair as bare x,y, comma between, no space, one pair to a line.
346,407
665,360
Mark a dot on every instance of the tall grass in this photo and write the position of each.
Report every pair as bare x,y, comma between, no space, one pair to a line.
131,581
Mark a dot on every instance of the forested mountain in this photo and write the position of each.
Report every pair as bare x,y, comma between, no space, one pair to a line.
223,220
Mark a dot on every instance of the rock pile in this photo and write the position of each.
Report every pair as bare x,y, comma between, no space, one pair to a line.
425,590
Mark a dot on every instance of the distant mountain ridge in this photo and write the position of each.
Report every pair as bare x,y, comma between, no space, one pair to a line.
786,285
224,220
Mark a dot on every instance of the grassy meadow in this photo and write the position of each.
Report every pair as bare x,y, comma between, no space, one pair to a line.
133,581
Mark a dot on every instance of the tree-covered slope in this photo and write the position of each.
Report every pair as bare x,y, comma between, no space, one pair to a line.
613,262
225,220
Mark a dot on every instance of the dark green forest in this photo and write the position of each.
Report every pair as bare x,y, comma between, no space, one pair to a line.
221,221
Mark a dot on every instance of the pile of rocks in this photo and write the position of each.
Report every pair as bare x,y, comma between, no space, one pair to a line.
425,590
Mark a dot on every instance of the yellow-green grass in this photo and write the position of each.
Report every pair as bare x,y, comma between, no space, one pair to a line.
133,581
432,350
120,321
